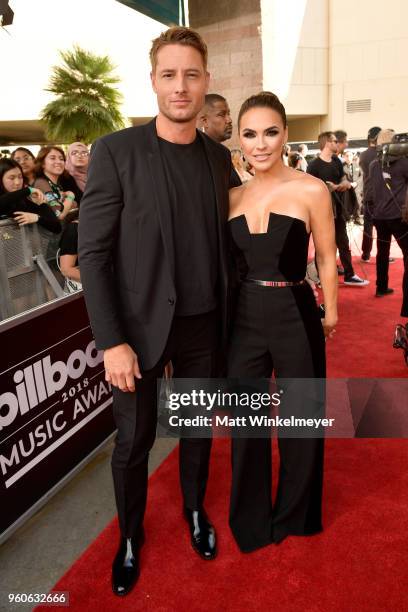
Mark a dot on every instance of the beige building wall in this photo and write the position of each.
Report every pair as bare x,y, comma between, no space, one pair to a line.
342,62
295,43
232,32
304,129
368,65
269,44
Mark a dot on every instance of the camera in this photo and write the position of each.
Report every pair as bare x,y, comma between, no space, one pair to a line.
393,150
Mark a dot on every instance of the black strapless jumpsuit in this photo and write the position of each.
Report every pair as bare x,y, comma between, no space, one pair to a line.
276,329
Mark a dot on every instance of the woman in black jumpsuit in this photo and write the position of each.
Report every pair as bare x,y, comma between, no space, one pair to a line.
277,327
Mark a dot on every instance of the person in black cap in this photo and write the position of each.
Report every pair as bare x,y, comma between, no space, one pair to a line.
366,158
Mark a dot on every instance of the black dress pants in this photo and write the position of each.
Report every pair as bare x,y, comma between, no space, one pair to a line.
386,229
343,244
276,329
367,243
192,347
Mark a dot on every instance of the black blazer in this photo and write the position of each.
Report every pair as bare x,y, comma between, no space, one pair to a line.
126,250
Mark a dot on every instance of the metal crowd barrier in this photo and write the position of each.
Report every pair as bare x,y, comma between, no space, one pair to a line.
29,276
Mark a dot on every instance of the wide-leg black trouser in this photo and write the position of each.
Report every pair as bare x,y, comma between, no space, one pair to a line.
276,329
192,347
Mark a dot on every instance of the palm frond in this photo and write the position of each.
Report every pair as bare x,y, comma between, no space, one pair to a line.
87,103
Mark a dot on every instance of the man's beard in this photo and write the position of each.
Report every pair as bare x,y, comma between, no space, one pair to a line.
186,119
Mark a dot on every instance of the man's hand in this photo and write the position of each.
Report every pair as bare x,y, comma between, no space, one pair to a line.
343,186
121,367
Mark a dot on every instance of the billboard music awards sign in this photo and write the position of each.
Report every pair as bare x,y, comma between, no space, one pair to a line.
55,405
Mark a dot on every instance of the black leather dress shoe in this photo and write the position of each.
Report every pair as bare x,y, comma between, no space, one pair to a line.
381,293
202,533
126,567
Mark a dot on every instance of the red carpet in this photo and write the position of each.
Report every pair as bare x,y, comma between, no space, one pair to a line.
358,563
362,346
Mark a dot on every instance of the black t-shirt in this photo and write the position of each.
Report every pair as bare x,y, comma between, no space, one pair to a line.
332,171
69,240
194,216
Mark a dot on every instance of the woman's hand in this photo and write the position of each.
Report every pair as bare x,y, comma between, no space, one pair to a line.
69,205
37,196
329,324
68,194
25,218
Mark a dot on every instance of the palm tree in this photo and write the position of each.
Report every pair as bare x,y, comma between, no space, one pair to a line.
87,104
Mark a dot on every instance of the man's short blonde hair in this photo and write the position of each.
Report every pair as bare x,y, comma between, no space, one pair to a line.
384,137
178,36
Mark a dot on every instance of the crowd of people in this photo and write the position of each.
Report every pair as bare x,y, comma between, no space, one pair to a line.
47,189
33,187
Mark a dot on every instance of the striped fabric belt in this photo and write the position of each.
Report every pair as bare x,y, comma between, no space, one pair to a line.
275,283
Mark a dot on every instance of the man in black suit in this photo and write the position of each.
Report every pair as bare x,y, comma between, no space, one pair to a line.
215,118
154,271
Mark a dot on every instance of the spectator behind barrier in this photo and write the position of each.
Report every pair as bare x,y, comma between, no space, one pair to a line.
49,170
26,159
24,204
68,255
77,166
